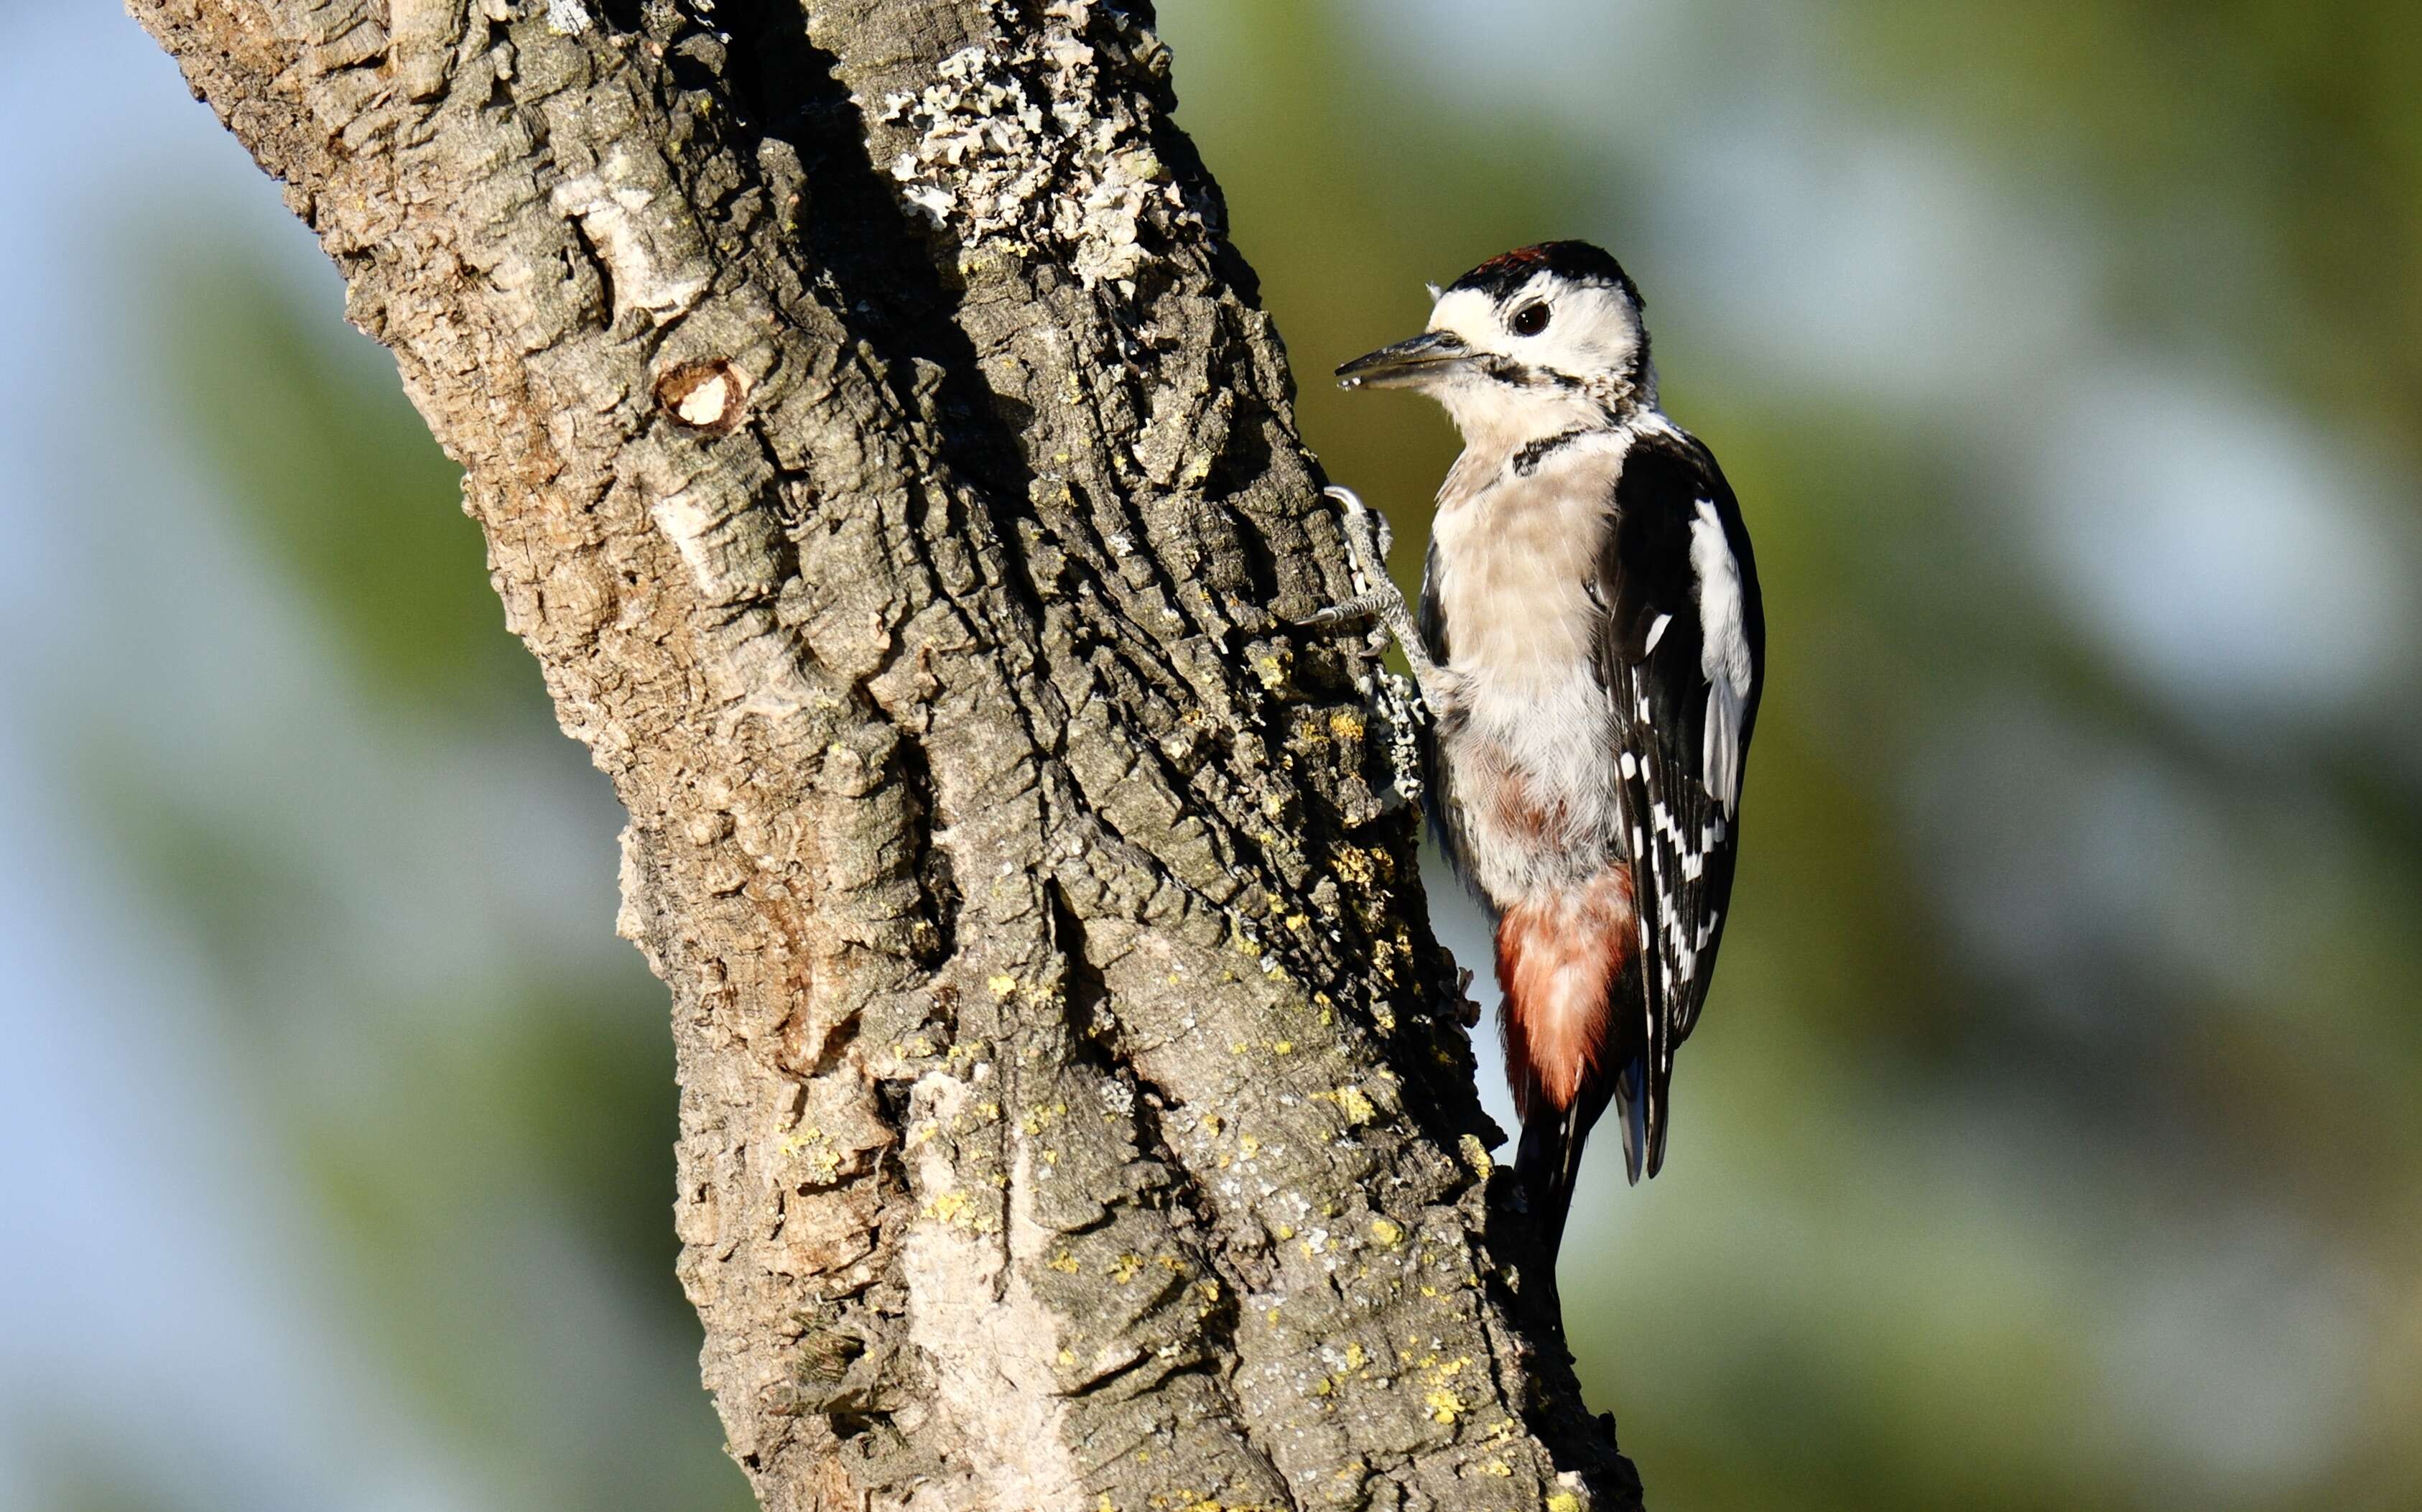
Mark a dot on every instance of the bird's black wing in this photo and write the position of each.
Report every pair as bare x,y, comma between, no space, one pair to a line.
1682,651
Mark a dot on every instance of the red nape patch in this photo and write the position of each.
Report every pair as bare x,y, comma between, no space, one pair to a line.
1558,956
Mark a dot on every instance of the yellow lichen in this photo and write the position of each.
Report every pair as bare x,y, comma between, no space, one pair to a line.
1475,1154
1354,864
1386,1231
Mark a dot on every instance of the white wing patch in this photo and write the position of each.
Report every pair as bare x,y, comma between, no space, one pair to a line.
1723,653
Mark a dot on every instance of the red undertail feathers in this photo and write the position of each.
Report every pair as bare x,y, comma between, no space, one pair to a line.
1561,958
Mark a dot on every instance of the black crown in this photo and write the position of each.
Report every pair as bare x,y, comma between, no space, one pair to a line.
1576,261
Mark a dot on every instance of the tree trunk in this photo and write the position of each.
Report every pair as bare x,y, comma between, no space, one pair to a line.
880,448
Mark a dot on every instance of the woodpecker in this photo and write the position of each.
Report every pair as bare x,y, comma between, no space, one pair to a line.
1589,647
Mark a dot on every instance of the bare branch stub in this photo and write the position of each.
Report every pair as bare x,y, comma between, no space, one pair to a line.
880,449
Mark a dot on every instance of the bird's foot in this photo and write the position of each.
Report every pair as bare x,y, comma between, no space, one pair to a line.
1367,540
1360,607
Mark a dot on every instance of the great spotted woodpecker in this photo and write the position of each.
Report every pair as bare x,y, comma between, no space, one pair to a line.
1590,647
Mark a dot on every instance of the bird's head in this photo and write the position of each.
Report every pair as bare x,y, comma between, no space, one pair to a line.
1541,339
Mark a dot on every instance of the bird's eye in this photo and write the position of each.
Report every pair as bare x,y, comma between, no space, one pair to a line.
1530,320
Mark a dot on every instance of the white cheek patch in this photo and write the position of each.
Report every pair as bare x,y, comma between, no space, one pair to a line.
1593,330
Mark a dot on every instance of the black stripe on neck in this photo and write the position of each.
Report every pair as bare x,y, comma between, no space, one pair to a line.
1527,461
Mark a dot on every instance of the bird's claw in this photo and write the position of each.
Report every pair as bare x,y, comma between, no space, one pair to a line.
1368,538
1362,606
1367,543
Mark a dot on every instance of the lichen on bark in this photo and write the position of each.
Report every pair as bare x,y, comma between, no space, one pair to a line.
885,456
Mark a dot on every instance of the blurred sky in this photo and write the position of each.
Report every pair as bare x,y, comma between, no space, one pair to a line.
2053,1137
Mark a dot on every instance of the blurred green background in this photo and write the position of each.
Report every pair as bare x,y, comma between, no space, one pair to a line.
2054,1136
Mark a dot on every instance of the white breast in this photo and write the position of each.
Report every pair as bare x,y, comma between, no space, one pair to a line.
1516,557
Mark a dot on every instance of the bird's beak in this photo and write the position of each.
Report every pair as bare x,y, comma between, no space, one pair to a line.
1424,360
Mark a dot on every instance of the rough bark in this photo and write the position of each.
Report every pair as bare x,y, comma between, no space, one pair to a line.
882,452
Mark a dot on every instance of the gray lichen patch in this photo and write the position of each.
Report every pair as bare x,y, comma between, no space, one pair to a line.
1015,151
